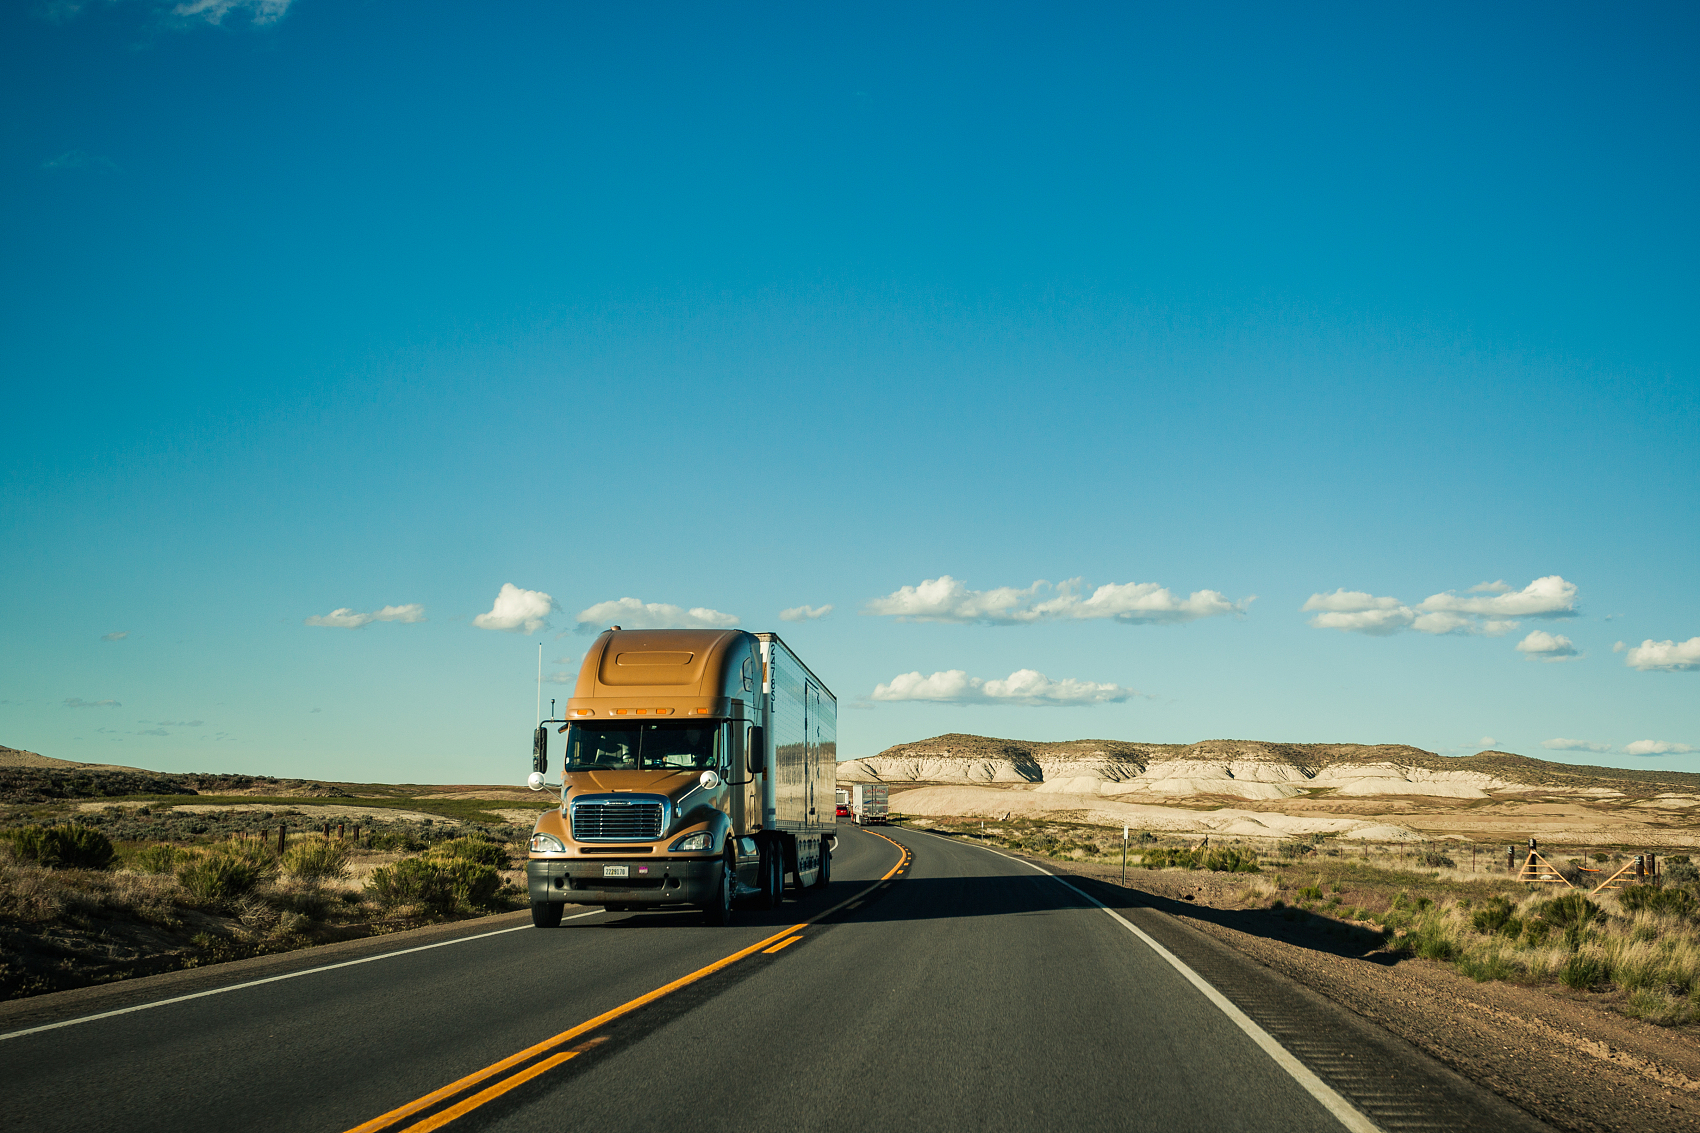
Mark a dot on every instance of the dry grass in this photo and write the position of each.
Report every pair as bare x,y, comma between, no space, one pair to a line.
1479,920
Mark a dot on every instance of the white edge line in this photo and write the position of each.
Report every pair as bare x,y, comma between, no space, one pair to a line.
1344,1111
269,980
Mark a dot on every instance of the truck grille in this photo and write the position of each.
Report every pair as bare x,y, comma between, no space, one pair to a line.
596,821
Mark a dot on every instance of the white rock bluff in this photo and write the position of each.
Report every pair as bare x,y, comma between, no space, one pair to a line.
1159,786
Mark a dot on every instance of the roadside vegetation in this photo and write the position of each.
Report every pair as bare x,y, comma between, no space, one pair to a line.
1636,949
79,905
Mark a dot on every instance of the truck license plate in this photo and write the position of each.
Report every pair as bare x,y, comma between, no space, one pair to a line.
614,870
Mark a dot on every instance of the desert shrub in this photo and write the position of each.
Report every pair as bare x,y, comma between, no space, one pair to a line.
1231,861
1434,940
317,860
472,850
473,884
63,847
1535,932
1491,965
1311,893
160,857
1292,849
219,877
1572,912
1434,859
1493,916
434,884
1657,899
1680,871
402,840
1581,972
1658,1006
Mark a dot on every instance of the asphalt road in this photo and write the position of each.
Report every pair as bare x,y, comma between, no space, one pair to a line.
968,992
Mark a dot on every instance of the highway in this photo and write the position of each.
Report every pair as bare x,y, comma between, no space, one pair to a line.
932,986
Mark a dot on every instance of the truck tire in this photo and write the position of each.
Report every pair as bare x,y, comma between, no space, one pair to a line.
718,911
546,914
825,874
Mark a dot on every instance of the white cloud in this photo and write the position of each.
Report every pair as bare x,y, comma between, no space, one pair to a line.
1657,747
1545,597
178,723
119,635
1345,601
345,618
1357,611
79,702
562,678
1543,646
946,599
1664,656
1024,686
1440,622
1378,623
516,610
1619,647
1487,741
1573,745
214,11
632,613
153,732
80,159
804,613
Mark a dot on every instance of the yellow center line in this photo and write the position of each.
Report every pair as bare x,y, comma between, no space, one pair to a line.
626,1008
461,1108
438,1120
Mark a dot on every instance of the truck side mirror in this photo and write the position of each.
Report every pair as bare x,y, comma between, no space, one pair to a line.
758,750
540,750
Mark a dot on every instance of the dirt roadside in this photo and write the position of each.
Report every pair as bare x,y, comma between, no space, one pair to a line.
1554,1053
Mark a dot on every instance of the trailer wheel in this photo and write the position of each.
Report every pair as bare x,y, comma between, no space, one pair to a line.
718,911
546,914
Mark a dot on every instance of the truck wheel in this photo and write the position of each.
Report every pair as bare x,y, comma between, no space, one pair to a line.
718,911
825,874
546,914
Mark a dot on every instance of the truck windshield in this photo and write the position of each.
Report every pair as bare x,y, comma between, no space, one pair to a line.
643,747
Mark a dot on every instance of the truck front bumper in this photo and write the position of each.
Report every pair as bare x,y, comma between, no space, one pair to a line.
584,881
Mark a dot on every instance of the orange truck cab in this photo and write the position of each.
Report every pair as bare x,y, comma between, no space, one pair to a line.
698,768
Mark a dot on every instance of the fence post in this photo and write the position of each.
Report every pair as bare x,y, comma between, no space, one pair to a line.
339,832
281,828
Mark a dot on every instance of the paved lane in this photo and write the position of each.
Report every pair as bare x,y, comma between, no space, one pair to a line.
968,992
329,1050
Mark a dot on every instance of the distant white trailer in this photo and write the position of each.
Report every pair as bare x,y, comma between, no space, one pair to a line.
868,804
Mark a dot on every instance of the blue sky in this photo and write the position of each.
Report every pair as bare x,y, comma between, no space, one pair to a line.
322,306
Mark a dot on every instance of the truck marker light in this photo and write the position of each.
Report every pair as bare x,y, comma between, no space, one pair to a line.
664,712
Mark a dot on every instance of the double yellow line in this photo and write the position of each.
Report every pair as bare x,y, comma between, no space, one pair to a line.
548,1061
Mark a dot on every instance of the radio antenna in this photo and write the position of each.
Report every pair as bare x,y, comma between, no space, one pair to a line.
539,684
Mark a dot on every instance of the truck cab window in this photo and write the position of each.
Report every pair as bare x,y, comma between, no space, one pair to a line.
647,747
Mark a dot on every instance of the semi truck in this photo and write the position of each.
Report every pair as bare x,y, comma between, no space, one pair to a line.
868,803
698,768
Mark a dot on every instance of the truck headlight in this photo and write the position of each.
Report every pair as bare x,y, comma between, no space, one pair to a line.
547,844
701,840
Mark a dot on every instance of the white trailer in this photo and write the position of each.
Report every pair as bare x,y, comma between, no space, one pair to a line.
868,804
